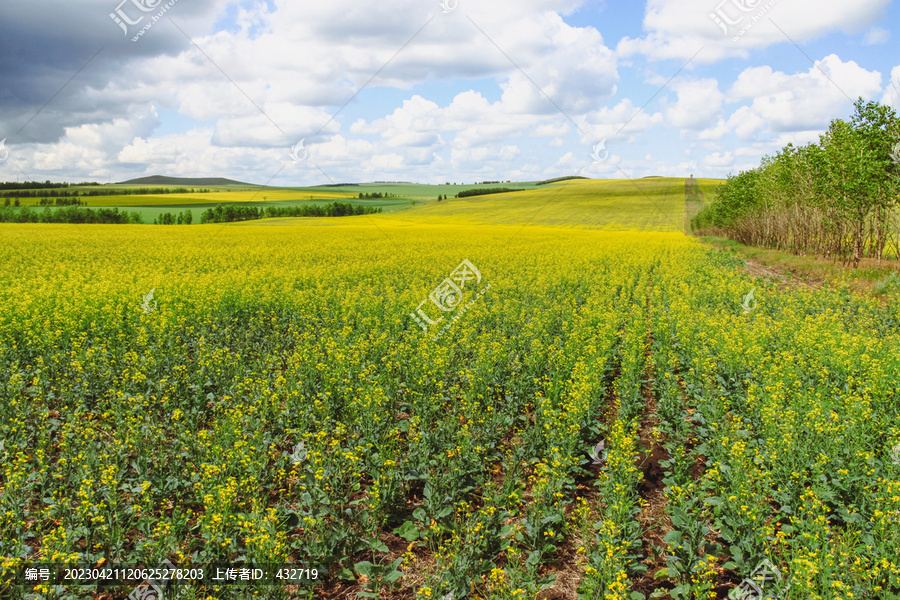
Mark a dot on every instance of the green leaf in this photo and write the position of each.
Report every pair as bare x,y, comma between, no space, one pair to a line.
408,531
364,568
673,538
551,519
713,549
637,569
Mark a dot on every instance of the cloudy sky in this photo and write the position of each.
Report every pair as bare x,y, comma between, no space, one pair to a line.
429,91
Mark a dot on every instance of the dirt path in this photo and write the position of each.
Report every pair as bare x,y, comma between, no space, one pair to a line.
783,277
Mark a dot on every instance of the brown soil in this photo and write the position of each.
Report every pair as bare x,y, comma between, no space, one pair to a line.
653,519
783,277
335,589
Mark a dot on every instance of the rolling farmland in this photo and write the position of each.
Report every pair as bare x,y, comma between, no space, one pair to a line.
550,393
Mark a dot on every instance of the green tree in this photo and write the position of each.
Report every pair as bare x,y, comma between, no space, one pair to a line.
857,170
880,128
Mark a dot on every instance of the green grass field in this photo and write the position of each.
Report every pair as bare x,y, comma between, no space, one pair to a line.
152,206
213,198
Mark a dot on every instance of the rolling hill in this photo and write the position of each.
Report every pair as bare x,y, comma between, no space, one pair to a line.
192,181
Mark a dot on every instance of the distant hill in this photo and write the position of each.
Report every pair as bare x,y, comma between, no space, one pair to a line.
183,181
558,179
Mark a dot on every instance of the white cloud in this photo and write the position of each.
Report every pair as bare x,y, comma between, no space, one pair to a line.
891,96
715,132
415,124
719,159
699,104
623,122
678,30
531,94
566,159
553,129
876,36
802,101
509,152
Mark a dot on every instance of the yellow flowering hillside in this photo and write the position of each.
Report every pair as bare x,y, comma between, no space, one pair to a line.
483,398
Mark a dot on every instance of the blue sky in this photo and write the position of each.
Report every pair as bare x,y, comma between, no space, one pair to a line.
426,91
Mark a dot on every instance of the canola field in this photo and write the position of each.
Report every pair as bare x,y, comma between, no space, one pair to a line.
650,204
568,409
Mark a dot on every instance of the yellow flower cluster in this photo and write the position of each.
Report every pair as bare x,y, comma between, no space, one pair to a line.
280,403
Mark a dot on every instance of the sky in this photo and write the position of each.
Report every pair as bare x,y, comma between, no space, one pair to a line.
290,93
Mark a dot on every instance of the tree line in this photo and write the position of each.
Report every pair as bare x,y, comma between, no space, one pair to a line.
219,214
484,191
837,198
185,217
69,214
558,179
61,193
230,213
38,185
59,202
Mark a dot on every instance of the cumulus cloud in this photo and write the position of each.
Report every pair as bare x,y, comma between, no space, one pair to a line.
726,28
282,71
719,159
399,90
699,104
802,101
